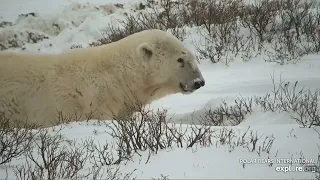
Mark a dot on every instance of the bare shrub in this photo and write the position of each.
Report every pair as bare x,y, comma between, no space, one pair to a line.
259,17
308,111
301,103
194,12
220,27
248,140
134,24
166,15
208,12
201,135
150,132
287,98
293,14
52,158
162,178
218,42
311,29
14,142
61,117
229,114
295,34
290,26
285,48
105,154
147,132
115,33
55,157
282,98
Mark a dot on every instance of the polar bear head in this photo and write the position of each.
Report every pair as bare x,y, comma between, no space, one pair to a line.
171,65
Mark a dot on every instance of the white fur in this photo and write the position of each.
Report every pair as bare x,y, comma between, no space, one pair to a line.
101,80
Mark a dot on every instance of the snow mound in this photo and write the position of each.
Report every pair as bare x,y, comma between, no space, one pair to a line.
86,20
18,38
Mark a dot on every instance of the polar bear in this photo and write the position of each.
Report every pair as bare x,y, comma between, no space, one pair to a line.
103,82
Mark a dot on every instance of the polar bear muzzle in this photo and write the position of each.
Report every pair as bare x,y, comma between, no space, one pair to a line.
192,85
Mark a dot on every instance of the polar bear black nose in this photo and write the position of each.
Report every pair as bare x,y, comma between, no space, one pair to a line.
198,84
202,83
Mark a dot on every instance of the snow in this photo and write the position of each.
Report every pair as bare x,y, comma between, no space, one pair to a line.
247,79
222,83
11,9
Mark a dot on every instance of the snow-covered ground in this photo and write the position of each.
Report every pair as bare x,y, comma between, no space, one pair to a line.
80,25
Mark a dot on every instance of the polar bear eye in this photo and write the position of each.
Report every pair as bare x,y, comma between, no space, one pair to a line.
180,60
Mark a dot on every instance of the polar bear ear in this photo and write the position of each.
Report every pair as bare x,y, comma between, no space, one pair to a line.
145,50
